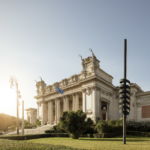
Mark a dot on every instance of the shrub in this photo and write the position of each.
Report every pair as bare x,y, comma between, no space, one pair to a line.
138,126
38,123
89,127
112,126
28,125
55,129
102,127
73,123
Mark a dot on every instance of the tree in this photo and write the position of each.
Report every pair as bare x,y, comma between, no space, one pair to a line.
74,123
7,122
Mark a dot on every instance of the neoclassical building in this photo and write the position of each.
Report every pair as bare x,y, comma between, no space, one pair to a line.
31,115
91,91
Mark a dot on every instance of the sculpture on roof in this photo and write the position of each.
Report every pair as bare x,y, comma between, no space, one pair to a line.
81,57
40,86
41,79
83,64
92,52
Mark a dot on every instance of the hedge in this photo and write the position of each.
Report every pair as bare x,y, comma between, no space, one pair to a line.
33,136
137,133
138,126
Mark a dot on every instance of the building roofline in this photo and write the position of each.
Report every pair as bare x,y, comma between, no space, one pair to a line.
77,84
137,86
106,73
144,93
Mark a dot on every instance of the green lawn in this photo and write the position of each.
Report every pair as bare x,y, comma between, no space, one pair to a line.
98,144
71,144
25,145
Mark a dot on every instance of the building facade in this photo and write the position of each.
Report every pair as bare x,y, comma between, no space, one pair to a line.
31,115
92,92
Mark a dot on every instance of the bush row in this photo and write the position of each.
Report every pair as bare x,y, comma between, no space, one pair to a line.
101,129
138,126
110,129
112,126
136,133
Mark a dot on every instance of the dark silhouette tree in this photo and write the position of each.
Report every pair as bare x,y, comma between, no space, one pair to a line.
74,123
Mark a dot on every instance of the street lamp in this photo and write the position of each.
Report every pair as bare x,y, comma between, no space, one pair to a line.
22,117
14,83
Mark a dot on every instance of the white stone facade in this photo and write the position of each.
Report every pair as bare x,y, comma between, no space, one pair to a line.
31,115
91,91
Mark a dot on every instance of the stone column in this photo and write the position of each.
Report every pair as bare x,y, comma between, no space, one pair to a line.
107,112
100,106
74,102
55,116
94,102
57,110
50,112
38,109
44,113
66,103
77,102
49,108
84,100
61,107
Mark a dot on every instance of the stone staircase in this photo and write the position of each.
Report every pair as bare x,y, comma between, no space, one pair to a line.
38,130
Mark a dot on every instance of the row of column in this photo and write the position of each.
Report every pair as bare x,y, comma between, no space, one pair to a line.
52,110
56,107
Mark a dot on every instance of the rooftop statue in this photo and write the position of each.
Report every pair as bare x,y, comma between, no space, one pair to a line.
92,52
83,64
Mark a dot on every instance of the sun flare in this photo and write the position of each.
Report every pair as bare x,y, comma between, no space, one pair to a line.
7,100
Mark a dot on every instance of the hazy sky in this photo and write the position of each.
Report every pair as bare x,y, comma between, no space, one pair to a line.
44,38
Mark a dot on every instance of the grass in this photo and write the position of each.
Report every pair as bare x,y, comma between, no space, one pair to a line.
98,143
25,145
71,144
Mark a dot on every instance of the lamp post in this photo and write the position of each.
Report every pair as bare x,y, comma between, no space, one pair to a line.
124,93
14,83
22,117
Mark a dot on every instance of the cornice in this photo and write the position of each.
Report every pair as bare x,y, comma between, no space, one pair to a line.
106,73
147,93
76,85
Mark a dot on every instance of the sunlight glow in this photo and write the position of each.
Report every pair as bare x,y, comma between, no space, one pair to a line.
7,100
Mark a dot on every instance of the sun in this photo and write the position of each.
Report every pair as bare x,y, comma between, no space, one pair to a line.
7,100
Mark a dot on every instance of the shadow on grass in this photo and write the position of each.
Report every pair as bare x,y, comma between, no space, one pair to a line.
111,139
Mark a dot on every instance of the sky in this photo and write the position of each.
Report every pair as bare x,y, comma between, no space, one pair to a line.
43,38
